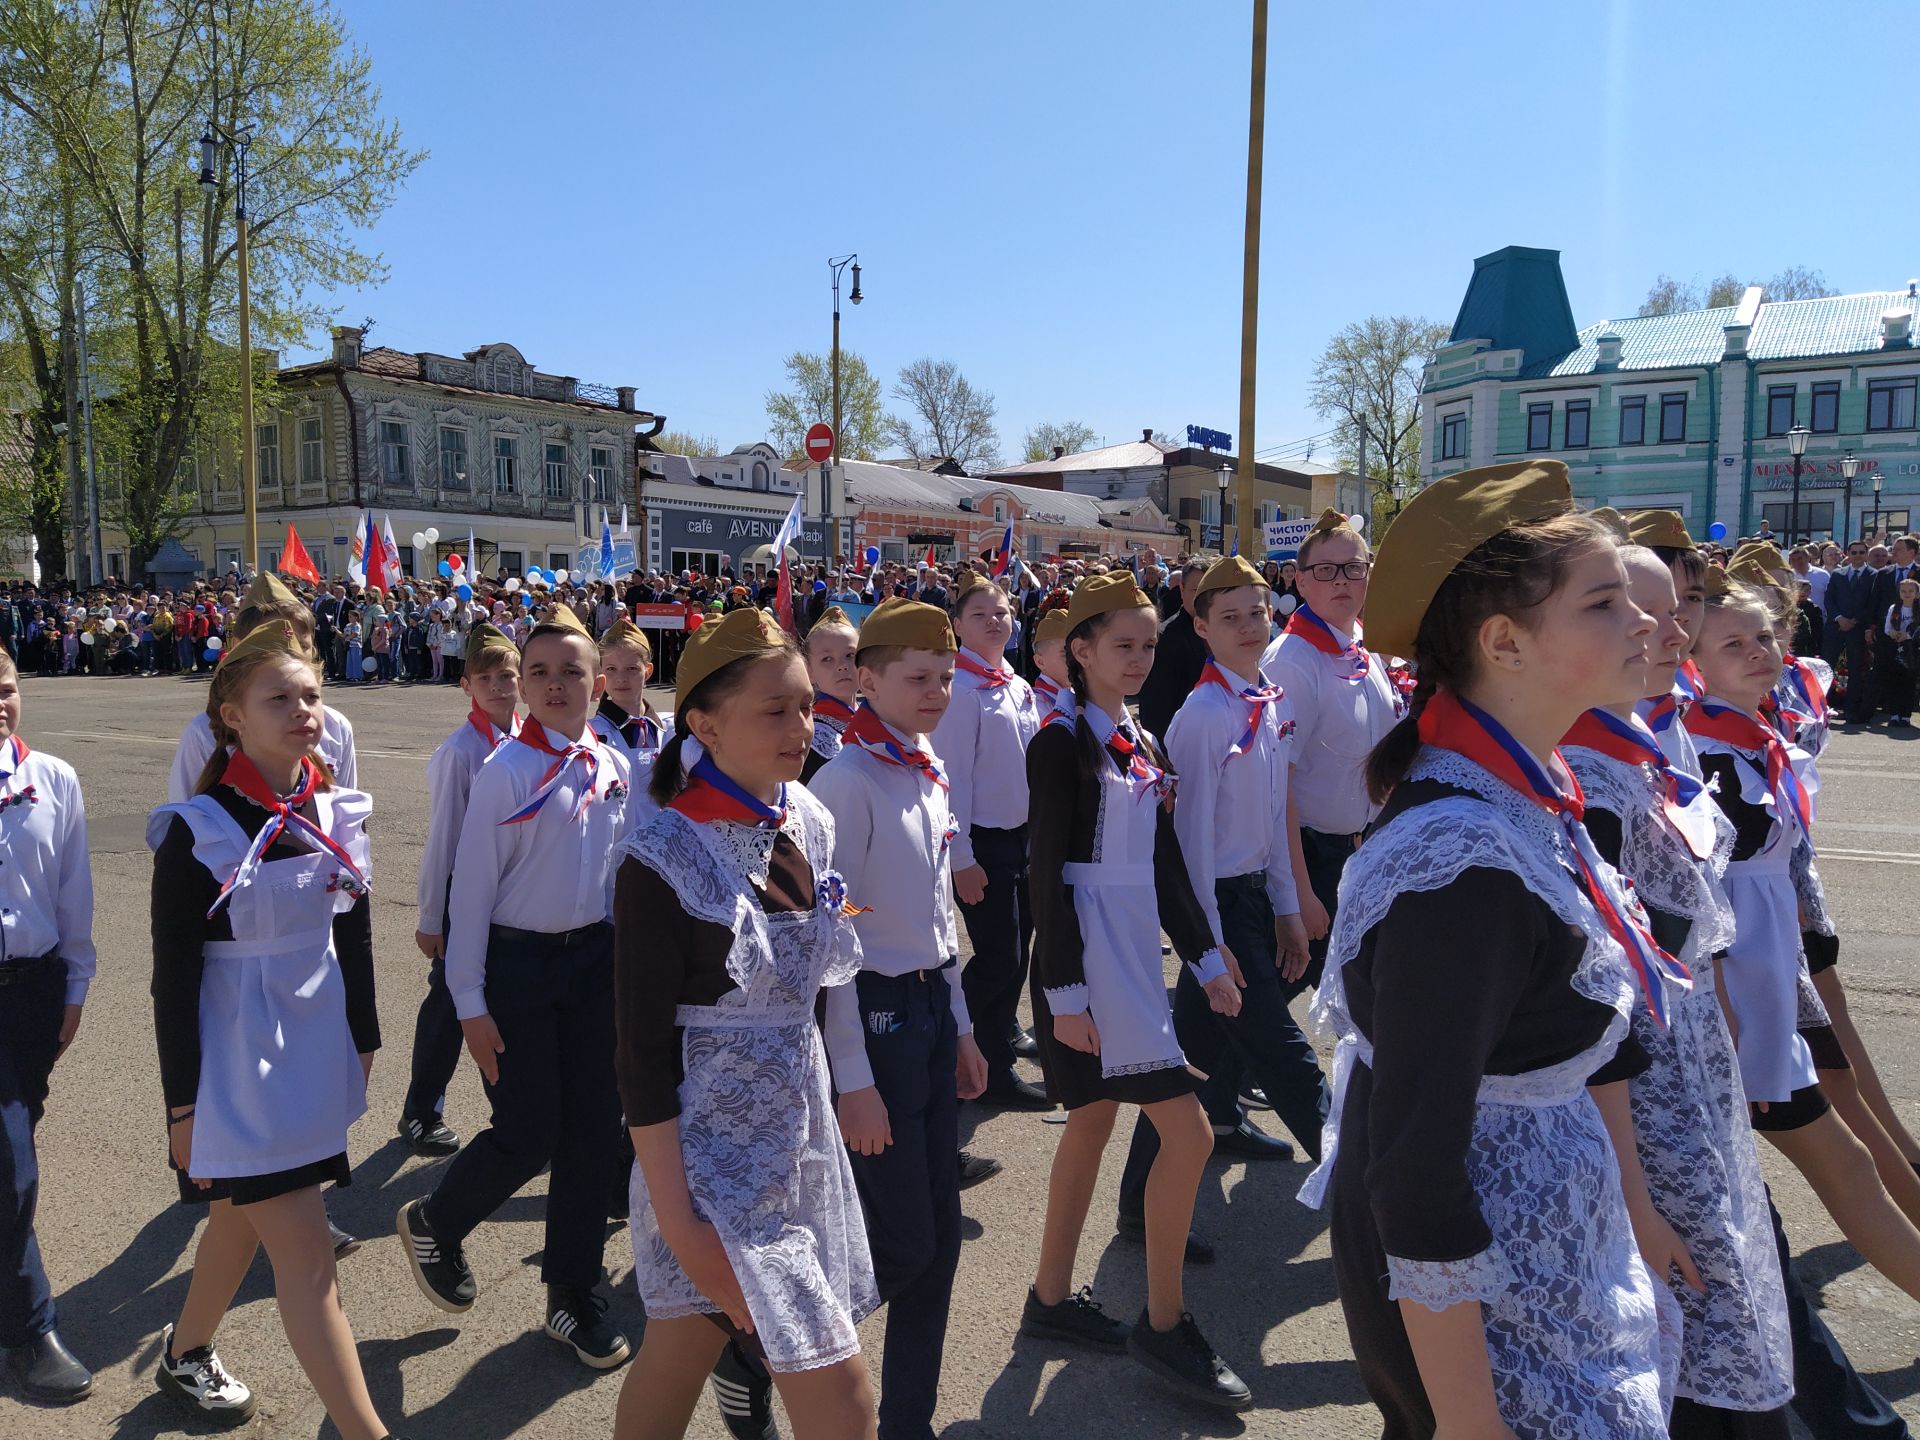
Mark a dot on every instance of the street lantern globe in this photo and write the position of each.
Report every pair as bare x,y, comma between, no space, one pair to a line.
208,182
1797,439
1849,466
1225,477
855,297
1878,481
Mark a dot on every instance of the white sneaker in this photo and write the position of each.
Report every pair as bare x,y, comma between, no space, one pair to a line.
202,1383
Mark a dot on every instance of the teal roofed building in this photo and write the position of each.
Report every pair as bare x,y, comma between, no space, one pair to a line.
1688,411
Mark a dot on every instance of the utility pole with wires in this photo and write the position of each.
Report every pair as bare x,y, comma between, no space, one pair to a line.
1250,281
1366,488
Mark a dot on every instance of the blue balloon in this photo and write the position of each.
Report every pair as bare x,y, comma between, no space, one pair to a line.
818,586
445,568
465,592
1717,530
873,554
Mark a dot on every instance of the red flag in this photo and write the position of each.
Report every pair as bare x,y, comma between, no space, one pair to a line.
783,597
929,560
295,560
376,557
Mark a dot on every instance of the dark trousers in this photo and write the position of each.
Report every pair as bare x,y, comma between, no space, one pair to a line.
1001,930
437,1043
1853,645
1263,1040
1829,1397
555,1102
910,1191
32,1007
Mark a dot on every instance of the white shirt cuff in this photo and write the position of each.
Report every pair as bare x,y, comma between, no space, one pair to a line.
1210,966
1068,1000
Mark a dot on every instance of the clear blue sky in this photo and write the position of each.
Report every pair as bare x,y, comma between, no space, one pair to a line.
1049,192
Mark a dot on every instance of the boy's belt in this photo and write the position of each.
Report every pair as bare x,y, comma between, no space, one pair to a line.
19,972
559,939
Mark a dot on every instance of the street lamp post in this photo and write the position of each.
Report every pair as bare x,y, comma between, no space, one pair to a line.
1849,467
210,185
836,265
1877,480
1224,475
1797,444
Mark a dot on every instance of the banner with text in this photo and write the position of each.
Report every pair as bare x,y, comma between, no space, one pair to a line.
1284,537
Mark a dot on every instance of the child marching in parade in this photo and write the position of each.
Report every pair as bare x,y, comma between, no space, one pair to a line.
1682,1134
1482,966
1053,692
1108,876
533,988
264,1011
730,920
830,647
982,741
491,678
625,720
46,966
899,1039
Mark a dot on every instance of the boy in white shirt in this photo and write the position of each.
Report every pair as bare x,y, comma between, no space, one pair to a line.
899,1038
490,674
534,992
46,965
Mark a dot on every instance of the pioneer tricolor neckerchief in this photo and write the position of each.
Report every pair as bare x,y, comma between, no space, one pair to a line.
1716,720
1319,634
1257,698
712,794
284,812
869,732
1631,741
534,735
1450,722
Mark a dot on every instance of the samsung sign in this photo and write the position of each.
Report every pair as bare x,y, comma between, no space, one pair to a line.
1208,439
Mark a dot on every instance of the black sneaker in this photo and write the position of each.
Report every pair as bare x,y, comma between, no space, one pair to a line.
440,1270
579,1318
744,1392
430,1137
975,1169
1134,1228
343,1243
200,1382
1183,1358
1078,1320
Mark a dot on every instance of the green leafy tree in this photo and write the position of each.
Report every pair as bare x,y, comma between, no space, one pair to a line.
1371,371
111,96
1070,436
808,399
682,442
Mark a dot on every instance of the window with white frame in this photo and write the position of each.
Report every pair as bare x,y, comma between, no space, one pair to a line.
266,455
1539,427
1453,436
556,472
1573,434
396,454
506,466
453,458
313,468
1633,420
600,471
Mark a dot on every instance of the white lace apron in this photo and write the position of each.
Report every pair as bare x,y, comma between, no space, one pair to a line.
1583,1343
1765,969
280,1078
1690,1113
764,1160
1119,913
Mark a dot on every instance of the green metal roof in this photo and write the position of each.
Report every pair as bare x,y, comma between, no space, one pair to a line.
1838,325
1517,300
1651,342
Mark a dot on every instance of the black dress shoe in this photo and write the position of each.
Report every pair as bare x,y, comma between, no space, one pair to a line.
1010,1092
1246,1141
48,1372
1254,1098
974,1169
1134,1228
1024,1045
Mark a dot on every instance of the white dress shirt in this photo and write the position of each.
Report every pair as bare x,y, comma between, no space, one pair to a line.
1231,814
46,884
450,771
190,756
890,829
548,873
1337,724
982,741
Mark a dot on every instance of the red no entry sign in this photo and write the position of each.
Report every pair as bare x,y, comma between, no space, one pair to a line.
820,442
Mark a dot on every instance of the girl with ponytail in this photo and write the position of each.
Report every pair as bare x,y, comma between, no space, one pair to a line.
1481,968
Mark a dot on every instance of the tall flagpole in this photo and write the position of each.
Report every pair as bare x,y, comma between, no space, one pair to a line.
1250,285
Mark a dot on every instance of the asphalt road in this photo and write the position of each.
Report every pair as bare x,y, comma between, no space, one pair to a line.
119,1247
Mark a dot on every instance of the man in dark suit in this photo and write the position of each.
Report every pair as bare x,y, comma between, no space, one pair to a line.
1850,596
1179,660
1900,564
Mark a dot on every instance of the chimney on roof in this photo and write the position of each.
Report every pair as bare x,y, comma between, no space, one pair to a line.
1913,289
1896,329
1058,451
627,393
1609,345
1146,434
346,346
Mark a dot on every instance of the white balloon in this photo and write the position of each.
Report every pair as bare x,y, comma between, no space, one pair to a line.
1358,522
106,627
216,643
513,583
420,541
87,639
433,535
559,577
1287,605
369,665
